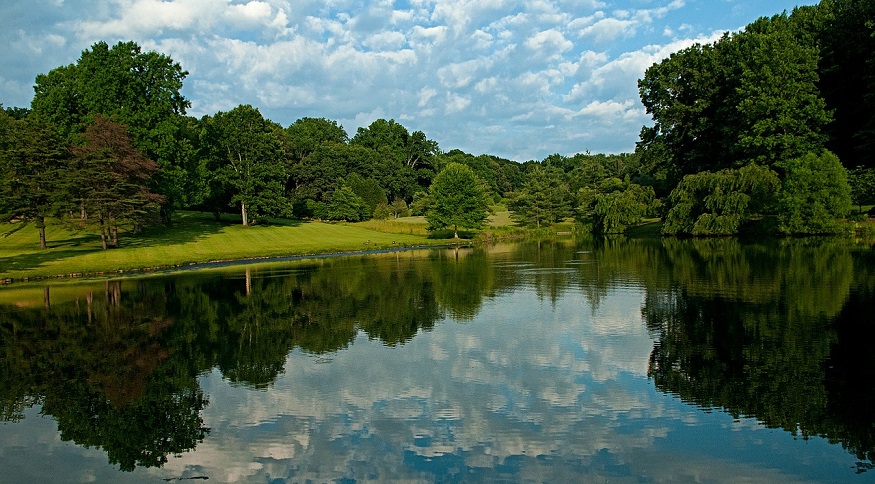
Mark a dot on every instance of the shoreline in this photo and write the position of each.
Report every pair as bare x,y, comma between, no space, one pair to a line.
190,266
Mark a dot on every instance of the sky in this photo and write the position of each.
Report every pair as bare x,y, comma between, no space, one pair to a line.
519,80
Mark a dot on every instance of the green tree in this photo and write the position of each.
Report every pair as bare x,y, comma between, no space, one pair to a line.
815,195
750,97
368,189
862,182
247,161
545,198
457,200
139,89
34,162
346,205
307,134
782,113
614,205
845,32
719,203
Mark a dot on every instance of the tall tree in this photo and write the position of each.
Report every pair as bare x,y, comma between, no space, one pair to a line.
458,199
307,134
247,161
139,89
782,114
749,97
845,31
113,177
33,164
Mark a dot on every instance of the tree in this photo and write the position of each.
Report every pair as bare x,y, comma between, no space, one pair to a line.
614,205
307,134
33,163
545,198
845,31
346,205
247,161
113,179
139,89
862,182
782,114
368,189
751,97
815,194
719,203
457,200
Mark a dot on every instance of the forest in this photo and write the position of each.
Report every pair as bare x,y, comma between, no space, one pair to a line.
768,130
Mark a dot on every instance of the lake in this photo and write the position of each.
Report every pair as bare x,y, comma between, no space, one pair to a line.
620,360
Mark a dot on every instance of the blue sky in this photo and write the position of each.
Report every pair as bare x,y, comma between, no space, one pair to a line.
520,80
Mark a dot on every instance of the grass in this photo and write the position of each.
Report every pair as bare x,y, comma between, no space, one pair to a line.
191,238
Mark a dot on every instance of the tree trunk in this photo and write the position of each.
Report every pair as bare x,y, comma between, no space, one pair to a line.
115,236
245,215
102,233
41,225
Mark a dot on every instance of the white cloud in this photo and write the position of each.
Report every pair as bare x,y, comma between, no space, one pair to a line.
450,62
607,30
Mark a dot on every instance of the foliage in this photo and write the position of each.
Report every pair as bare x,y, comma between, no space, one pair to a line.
845,32
457,199
345,204
862,182
750,97
112,179
306,134
719,203
246,162
815,194
544,198
369,190
614,205
139,89
34,163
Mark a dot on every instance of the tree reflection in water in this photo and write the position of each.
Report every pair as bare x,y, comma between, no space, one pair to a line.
768,330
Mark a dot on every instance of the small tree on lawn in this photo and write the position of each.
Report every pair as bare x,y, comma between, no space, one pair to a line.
457,199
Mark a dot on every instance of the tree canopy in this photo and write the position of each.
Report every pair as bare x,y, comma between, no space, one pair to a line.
457,199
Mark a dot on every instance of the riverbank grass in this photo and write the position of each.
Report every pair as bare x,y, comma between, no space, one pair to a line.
192,237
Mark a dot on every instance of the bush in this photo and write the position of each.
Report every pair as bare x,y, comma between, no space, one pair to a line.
815,196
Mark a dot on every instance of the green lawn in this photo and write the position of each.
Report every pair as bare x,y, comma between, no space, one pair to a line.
192,237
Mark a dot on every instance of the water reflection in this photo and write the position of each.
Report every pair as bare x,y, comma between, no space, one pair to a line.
567,365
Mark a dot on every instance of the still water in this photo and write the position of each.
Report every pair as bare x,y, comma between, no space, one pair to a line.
562,361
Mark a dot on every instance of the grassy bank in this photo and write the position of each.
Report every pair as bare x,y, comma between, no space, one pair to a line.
192,237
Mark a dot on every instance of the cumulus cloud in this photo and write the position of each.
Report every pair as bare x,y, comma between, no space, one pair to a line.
471,74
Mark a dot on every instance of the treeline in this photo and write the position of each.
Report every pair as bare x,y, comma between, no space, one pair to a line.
771,127
107,143
754,125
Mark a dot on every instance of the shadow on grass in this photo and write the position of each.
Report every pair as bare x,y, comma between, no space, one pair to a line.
35,260
185,227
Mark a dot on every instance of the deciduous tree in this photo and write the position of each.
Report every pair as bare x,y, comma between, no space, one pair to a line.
457,199
247,161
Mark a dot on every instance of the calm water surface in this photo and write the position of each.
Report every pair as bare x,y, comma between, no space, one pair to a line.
563,361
